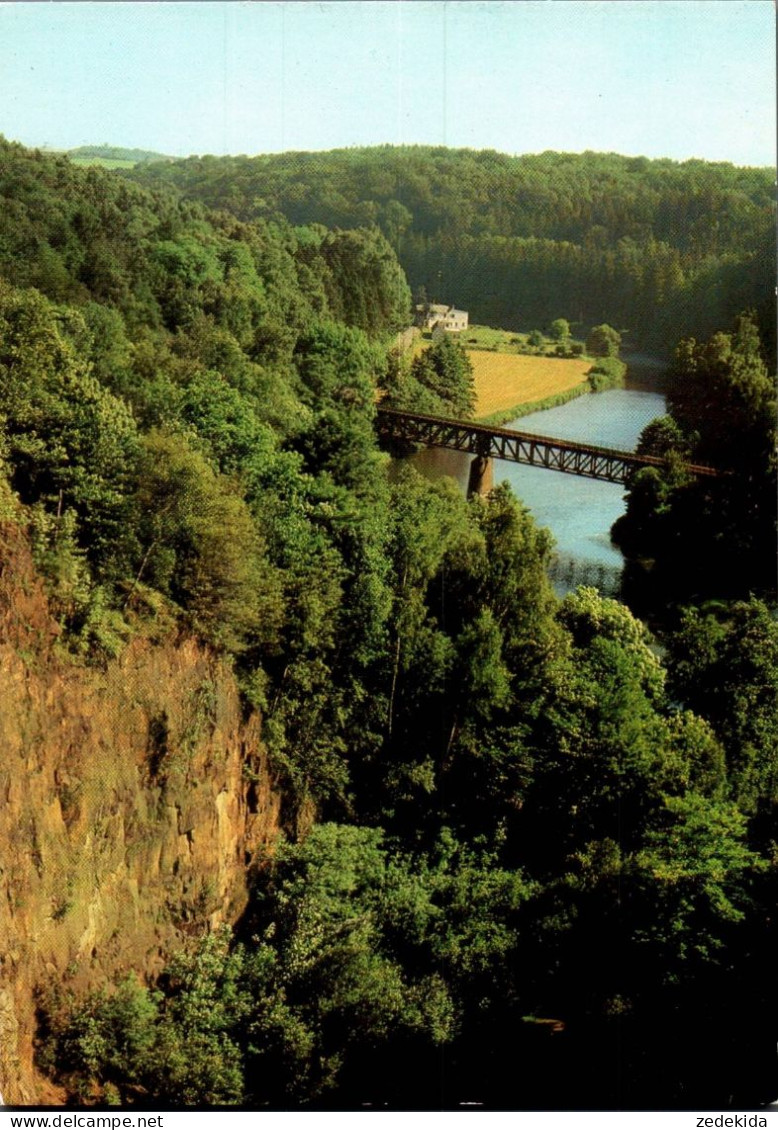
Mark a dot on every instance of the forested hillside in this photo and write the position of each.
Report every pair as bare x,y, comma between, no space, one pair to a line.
656,248
116,153
515,842
714,539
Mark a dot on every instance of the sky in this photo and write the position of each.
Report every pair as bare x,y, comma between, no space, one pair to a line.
658,78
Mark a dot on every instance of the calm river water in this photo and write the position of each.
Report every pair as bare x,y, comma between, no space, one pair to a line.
579,512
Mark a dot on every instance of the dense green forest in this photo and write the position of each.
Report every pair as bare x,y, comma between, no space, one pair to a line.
657,248
115,153
518,842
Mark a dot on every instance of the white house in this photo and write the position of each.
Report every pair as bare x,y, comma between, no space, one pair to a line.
442,319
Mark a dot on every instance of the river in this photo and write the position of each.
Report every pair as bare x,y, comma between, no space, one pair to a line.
579,512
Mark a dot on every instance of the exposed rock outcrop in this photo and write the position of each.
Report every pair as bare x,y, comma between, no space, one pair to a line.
132,799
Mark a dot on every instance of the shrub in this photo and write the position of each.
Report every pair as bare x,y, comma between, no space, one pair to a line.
607,373
603,341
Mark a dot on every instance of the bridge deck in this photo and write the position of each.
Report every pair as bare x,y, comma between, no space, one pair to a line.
568,456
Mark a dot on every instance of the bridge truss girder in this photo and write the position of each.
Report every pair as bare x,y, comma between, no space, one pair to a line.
571,458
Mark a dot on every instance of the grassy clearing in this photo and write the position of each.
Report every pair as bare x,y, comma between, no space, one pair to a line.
511,341
103,162
486,337
507,384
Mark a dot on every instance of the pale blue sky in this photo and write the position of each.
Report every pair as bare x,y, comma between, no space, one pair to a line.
673,78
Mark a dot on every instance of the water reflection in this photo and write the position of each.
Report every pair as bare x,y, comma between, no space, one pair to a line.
567,573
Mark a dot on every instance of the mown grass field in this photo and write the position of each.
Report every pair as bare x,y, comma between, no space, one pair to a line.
510,374
505,380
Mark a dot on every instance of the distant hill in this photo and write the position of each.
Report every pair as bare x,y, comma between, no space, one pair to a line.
658,248
99,154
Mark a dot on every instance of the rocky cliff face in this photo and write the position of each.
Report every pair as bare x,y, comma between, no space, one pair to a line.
133,797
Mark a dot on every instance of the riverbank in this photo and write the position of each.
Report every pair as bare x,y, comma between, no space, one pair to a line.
646,371
497,419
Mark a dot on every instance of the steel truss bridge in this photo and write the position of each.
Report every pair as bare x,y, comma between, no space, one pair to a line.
486,442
